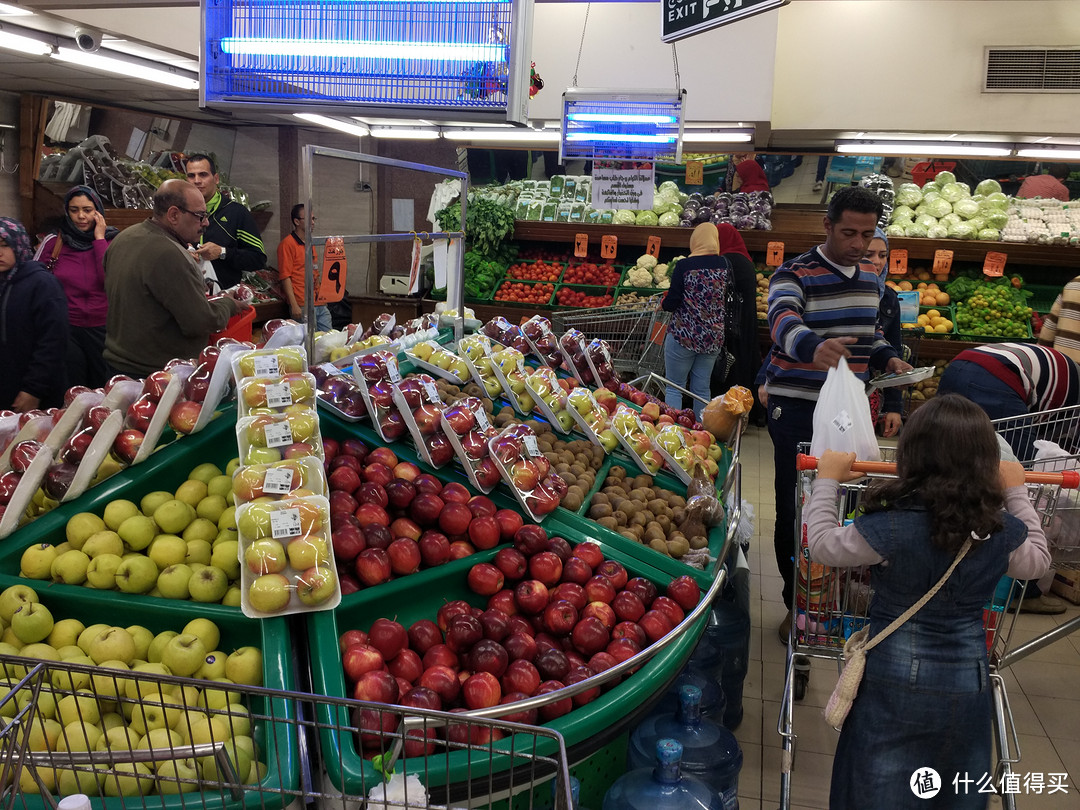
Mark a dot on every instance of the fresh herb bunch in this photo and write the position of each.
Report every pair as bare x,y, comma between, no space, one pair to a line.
487,229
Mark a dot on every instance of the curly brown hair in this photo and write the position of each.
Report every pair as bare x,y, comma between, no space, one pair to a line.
948,459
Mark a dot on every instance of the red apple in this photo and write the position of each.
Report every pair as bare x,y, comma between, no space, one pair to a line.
350,637
485,579
487,474
381,455
576,570
420,697
590,635
560,548
488,656
344,479
350,462
560,617
521,676
442,681
614,572
643,589
577,675
184,415
546,567
552,663
22,454
406,471
127,444
481,691
378,474
400,493
509,523
434,548
600,589
520,624
460,418
423,635
496,624
601,611
341,503
628,606
482,506
591,553
140,412
371,513
428,417
450,610
484,532
602,661
403,527
511,562
530,539
376,687
622,649
376,535
426,508
439,655
685,591
388,637
669,607
372,567
348,542
572,593
520,646
460,549
428,484
439,449
531,596
361,658
553,711
462,633
527,717
407,665
656,625
632,631
404,556
504,602
455,518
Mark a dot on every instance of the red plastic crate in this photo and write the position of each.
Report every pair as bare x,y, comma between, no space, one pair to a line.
926,171
239,326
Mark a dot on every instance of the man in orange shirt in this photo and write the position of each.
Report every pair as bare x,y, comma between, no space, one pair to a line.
290,256
1048,185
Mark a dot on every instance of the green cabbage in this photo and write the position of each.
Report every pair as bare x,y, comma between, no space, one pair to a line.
962,230
938,231
902,212
943,178
668,186
908,194
966,208
996,200
978,223
938,208
625,216
916,230
903,222
988,187
990,235
925,221
996,219
950,219
669,219
661,204
955,191
897,229
930,196
648,218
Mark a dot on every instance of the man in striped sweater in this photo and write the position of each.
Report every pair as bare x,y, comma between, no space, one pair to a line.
1061,329
823,305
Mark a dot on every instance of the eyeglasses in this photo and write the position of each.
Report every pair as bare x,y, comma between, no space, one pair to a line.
203,216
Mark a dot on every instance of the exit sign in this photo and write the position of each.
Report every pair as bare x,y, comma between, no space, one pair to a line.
684,18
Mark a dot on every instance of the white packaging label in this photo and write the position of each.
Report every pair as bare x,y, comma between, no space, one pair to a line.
278,434
392,371
278,395
330,369
531,446
285,523
266,365
482,419
278,481
842,422
430,389
521,365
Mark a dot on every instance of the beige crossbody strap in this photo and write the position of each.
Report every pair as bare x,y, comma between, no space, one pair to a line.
911,611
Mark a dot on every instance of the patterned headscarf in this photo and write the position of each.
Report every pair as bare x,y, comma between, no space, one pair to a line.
16,238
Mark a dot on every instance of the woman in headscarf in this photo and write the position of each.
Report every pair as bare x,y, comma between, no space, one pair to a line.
76,255
741,339
749,176
696,300
888,402
33,326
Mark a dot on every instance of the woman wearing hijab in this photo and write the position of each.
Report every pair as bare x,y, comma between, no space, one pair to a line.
33,326
749,176
696,300
76,255
741,338
889,320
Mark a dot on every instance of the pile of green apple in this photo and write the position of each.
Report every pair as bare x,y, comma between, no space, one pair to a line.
107,711
176,545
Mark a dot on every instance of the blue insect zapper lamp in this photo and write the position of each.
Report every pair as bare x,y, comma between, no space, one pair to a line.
642,125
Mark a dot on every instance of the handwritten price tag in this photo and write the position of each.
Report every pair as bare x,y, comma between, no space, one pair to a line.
897,262
994,264
653,247
581,245
695,173
942,262
609,245
774,254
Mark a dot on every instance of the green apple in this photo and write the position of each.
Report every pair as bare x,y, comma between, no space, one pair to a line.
225,536
44,734
202,529
152,500
202,730
213,666
239,721
81,526
140,782
219,699
136,575
67,651
166,550
28,780
70,782
206,630
114,644
70,567
116,512
117,735
142,637
32,623
159,739
9,637
172,517
241,763
79,735
173,581
101,573
106,542
269,593
138,690
198,551
89,634
184,654
153,652
234,597
245,666
265,557
65,633
137,532
177,776
205,472
191,492
108,683
231,467
79,707
36,562
15,597
253,521
316,585
263,455
148,715
226,556
220,485
227,521
307,552
208,584
68,680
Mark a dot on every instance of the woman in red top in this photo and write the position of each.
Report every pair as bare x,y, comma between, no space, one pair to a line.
749,176
76,255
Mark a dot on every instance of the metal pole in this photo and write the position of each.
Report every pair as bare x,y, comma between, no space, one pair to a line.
309,262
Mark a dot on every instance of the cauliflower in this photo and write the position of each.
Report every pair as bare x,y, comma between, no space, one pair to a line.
646,261
639,277
663,284
660,272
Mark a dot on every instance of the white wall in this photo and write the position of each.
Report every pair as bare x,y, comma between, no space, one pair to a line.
915,65
727,72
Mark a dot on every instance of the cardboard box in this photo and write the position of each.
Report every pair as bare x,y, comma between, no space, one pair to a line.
1067,586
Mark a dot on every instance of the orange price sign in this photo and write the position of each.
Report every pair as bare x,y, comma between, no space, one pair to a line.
897,262
609,244
330,283
581,245
774,254
653,247
942,262
994,264
695,173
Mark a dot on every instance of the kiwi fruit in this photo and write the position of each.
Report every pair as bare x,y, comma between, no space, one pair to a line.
654,532
639,519
608,523
628,535
658,506
600,497
664,522
599,510
569,478
678,547
698,541
678,515
643,481
572,501
659,545
578,469
621,517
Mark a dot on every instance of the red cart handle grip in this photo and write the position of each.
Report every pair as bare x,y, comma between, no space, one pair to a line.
1066,479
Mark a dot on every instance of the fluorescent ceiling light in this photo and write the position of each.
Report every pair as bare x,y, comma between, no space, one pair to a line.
691,136
346,49
621,118
334,123
613,137
929,149
405,134
124,67
7,10
505,136
14,42
1049,154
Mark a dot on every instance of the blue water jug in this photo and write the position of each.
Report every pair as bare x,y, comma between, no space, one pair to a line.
728,630
663,787
710,751
575,793
713,701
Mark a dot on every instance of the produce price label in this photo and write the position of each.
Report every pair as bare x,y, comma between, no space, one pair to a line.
266,366
482,419
609,245
278,395
942,262
330,369
618,187
278,434
285,523
695,173
392,371
581,245
531,446
653,246
278,481
430,390
774,254
897,262
994,264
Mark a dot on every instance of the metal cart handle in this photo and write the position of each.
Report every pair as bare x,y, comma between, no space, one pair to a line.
1066,479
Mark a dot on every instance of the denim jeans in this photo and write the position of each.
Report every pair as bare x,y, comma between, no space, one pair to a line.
681,363
973,382
323,321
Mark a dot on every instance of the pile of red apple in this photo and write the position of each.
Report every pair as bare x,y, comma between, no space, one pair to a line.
21,455
555,615
545,345
340,390
526,470
466,423
418,400
388,519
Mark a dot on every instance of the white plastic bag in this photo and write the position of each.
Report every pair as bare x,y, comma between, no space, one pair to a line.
842,417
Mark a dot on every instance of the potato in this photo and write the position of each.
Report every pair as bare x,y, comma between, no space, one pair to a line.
659,545
599,510
678,547
620,517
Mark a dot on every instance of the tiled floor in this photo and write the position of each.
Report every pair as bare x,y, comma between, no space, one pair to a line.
1044,689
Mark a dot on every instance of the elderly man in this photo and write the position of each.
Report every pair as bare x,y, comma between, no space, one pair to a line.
158,307
231,241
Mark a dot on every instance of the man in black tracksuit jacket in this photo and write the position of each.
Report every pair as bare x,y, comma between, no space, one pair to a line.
231,240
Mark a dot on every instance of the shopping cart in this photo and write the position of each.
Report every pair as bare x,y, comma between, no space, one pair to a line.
634,332
17,707
831,603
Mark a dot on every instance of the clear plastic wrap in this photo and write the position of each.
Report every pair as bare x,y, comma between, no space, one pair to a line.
542,341
631,434
275,394
468,428
526,471
267,438
548,395
573,347
418,402
291,478
339,393
438,360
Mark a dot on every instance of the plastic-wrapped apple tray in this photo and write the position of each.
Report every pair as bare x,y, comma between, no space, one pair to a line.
467,464
418,597
412,428
431,368
508,392
276,741
544,408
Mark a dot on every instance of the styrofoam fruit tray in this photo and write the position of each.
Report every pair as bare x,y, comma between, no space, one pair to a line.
483,426
289,478
266,438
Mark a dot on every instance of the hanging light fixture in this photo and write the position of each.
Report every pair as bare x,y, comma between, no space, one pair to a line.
645,125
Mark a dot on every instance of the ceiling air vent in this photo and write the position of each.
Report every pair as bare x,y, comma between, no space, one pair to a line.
1032,70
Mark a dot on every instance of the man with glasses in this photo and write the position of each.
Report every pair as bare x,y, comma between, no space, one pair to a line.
291,271
231,240
158,307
